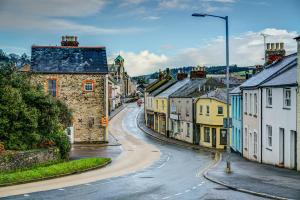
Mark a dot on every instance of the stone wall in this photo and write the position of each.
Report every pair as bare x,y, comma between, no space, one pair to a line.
24,159
87,107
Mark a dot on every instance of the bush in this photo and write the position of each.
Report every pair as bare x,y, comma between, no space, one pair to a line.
28,118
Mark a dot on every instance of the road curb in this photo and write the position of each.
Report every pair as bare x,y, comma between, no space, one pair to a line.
171,140
260,194
57,176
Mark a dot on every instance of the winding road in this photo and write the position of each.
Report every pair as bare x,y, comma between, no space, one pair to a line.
146,169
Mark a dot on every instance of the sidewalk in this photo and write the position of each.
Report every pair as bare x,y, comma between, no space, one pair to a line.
116,111
158,136
255,178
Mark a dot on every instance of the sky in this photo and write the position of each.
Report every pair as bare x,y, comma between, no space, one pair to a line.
153,34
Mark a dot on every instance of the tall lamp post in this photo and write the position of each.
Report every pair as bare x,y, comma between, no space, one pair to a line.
228,167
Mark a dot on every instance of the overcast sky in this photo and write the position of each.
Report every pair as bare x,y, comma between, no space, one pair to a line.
153,34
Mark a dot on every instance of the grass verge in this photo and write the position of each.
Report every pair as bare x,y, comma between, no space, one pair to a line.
51,171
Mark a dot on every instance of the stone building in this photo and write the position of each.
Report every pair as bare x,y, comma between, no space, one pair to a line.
77,75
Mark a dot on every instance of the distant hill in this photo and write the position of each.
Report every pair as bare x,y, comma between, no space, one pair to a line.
209,70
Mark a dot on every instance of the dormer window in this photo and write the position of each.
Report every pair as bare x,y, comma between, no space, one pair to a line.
88,86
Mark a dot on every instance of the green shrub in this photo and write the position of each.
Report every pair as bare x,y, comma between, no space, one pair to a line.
28,117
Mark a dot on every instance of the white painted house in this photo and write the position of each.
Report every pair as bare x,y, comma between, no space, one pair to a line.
279,118
252,108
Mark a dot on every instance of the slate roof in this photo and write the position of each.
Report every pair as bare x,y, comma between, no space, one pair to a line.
173,88
218,94
285,78
269,72
194,88
236,90
66,59
163,87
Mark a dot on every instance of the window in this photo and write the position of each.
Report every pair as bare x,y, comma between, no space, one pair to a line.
255,104
201,109
250,104
206,134
287,97
220,110
269,135
207,110
173,108
188,130
269,96
88,87
163,104
246,103
52,87
178,126
187,109
246,138
156,104
255,143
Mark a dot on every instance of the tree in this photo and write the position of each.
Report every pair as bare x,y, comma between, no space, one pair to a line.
28,118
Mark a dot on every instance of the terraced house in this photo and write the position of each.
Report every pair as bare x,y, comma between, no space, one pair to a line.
211,109
76,75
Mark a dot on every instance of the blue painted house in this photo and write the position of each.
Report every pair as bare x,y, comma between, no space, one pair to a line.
236,114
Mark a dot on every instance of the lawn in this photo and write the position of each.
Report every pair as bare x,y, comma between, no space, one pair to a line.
51,171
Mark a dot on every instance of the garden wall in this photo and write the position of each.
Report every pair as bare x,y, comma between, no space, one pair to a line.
13,160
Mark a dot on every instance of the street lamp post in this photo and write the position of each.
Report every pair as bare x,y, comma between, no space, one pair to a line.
228,166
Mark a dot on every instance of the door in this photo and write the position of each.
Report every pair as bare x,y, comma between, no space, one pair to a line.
197,134
214,137
281,146
293,149
223,136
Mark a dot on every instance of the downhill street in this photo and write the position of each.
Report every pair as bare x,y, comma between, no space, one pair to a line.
176,174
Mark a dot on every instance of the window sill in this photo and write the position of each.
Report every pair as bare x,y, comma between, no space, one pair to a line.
220,114
286,108
268,148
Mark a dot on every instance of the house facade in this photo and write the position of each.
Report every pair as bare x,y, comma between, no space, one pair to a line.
298,103
236,115
211,109
252,95
77,76
279,119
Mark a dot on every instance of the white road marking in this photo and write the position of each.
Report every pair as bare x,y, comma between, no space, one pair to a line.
199,184
161,165
26,195
61,189
168,158
194,188
202,182
187,190
87,184
178,194
168,197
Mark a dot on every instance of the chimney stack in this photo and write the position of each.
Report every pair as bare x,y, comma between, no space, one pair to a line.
274,52
181,75
69,41
198,72
298,101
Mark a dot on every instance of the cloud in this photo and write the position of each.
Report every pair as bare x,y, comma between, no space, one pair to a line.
245,49
173,4
152,17
47,15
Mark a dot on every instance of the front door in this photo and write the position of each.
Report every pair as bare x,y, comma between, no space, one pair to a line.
214,137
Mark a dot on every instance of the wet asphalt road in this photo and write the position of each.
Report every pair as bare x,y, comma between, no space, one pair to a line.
177,175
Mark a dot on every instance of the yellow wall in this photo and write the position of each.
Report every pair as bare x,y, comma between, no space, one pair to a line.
161,105
211,120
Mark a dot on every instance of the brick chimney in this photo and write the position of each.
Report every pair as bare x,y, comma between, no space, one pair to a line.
298,102
69,41
181,75
198,72
274,52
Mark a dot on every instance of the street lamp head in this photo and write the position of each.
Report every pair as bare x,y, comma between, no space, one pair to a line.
198,15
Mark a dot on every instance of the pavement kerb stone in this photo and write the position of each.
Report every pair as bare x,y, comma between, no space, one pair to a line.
58,176
205,174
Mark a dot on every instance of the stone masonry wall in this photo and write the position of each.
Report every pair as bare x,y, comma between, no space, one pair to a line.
88,107
10,161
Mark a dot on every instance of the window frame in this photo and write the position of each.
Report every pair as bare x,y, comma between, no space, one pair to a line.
269,97
255,104
207,110
285,98
201,110
51,92
88,82
222,110
206,137
269,136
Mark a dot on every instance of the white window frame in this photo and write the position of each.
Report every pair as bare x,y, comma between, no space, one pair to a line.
287,99
246,138
255,104
269,136
255,143
246,103
269,99
250,104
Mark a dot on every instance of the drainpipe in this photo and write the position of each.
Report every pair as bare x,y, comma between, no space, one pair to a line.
261,128
242,119
194,121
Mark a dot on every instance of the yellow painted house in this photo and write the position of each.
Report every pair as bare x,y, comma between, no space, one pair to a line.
211,109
